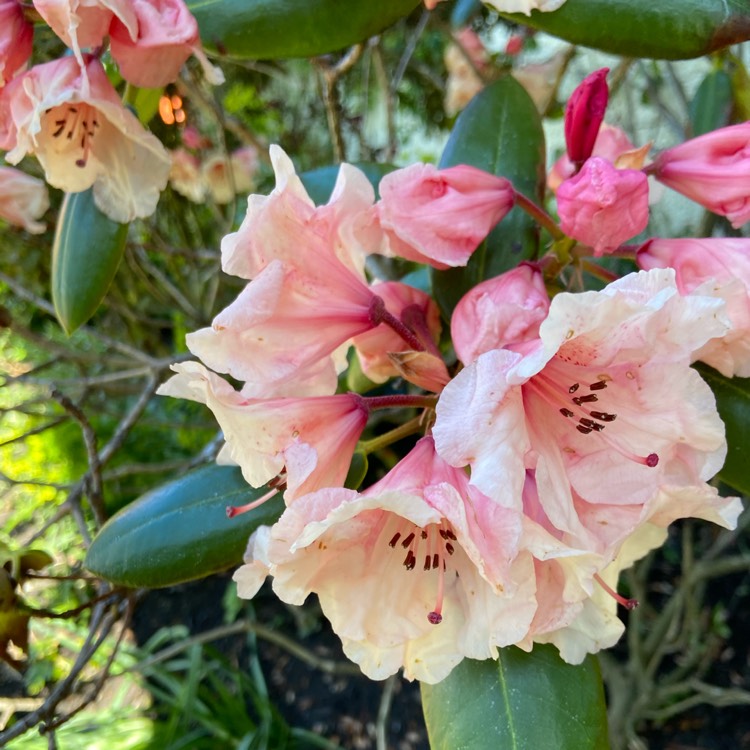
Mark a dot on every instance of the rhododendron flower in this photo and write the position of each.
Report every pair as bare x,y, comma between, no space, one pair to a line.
185,175
603,206
584,114
501,312
85,23
605,409
224,178
712,170
311,440
73,121
275,225
524,6
715,266
439,216
464,61
418,571
151,53
16,39
374,346
23,200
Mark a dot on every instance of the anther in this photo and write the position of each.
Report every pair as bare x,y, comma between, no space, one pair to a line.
410,560
573,388
567,412
449,548
395,539
584,430
589,398
602,416
598,386
426,562
435,560
409,539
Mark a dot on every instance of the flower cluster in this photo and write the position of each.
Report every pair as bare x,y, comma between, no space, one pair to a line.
67,112
553,449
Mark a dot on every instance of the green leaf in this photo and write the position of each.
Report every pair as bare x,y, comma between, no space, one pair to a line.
319,182
521,702
733,403
712,104
663,29
273,29
180,531
86,251
500,132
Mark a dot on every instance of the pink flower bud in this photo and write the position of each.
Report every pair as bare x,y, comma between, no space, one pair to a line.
712,170
500,312
16,36
584,114
440,216
603,206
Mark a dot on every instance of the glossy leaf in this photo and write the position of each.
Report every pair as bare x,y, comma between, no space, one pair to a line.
180,531
87,249
712,104
520,701
500,132
663,29
319,182
733,403
274,29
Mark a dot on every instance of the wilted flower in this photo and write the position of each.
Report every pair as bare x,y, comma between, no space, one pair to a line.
73,121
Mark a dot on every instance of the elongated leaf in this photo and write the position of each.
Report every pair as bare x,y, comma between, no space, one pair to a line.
525,701
500,132
274,29
733,403
712,104
87,249
180,531
665,29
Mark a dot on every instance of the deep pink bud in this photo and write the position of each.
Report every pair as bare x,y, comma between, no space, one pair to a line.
712,170
584,114
603,206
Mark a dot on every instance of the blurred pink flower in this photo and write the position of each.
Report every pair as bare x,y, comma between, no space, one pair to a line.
440,216
16,39
605,410
419,571
23,200
310,440
225,178
711,170
712,267
73,121
185,175
499,313
603,206
151,52
524,6
584,114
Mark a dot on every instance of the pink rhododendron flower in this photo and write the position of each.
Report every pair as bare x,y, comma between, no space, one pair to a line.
85,23
310,440
439,216
23,200
584,114
603,206
224,178
275,224
151,53
374,346
73,121
418,571
185,175
16,39
712,170
464,61
499,313
605,410
715,266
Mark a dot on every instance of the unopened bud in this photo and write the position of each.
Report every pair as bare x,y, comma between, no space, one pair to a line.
584,114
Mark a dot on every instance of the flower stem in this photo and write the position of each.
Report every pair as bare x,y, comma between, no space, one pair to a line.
374,444
540,216
596,270
379,314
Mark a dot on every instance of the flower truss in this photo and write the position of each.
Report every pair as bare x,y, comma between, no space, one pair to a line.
554,439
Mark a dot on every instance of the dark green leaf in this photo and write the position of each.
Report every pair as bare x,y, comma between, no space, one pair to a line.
664,29
733,402
712,103
319,182
273,29
85,255
180,531
500,132
523,701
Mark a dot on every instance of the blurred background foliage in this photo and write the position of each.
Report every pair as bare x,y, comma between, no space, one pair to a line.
82,434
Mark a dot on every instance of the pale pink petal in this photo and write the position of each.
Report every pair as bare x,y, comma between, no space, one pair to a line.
23,200
16,39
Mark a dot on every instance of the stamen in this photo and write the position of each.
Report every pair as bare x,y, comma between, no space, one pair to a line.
573,388
602,416
584,430
410,560
589,398
395,539
627,603
409,539
598,386
567,412
236,510
436,616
